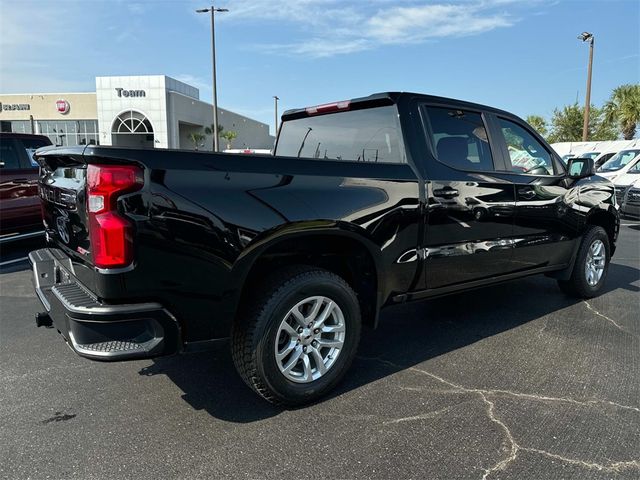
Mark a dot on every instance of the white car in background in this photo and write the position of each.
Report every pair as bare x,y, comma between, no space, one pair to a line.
609,149
623,181
600,152
619,164
603,157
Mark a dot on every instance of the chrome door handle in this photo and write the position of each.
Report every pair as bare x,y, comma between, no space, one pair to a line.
446,192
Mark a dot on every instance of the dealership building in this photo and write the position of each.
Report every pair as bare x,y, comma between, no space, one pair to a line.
152,111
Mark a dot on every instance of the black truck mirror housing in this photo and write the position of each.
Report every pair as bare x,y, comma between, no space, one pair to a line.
581,168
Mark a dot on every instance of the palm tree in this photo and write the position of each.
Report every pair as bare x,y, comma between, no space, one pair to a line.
229,136
623,108
209,130
538,123
197,138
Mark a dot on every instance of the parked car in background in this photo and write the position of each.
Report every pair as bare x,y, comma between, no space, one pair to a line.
571,149
631,201
599,151
624,181
619,164
592,155
568,150
569,156
602,158
20,215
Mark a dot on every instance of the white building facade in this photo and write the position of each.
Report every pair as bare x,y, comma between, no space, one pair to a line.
160,111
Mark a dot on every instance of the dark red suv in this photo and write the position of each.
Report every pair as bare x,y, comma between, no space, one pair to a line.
20,214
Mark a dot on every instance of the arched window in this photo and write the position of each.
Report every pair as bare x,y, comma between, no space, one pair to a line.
131,122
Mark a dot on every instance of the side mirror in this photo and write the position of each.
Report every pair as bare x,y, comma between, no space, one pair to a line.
581,168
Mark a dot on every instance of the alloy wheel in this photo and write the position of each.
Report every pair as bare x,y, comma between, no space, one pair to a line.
310,339
595,262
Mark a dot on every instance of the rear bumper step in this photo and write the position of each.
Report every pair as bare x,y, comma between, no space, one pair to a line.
95,329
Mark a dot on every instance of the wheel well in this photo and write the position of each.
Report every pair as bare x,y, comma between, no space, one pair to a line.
343,256
607,221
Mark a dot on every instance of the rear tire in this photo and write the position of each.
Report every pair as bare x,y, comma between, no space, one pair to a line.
591,265
285,353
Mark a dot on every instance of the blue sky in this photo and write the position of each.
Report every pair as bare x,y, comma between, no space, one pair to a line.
522,56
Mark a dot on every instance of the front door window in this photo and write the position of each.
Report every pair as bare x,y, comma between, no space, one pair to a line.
526,153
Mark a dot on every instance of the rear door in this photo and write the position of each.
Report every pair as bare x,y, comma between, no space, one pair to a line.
469,210
19,202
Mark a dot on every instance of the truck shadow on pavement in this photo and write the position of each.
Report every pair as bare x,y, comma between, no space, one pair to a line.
407,335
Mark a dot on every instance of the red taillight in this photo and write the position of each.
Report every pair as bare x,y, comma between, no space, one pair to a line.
111,241
328,108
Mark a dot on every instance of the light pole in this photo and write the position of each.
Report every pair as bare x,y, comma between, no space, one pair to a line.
213,11
275,99
587,37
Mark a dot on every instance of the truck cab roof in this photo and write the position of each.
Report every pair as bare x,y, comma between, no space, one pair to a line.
388,98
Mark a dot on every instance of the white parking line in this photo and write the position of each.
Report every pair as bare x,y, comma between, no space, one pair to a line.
629,224
10,262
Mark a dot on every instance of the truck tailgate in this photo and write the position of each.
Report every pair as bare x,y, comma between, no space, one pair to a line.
62,189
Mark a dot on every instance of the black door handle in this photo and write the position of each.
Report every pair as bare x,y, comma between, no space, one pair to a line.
526,193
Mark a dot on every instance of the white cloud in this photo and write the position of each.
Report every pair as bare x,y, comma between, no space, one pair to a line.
415,24
318,47
332,27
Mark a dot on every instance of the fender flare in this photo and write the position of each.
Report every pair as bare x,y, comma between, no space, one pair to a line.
269,238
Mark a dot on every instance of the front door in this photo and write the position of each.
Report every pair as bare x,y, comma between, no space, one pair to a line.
469,209
544,224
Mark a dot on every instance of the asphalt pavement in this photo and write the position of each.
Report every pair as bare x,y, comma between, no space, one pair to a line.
515,381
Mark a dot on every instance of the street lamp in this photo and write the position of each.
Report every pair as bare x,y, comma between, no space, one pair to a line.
587,37
213,10
275,99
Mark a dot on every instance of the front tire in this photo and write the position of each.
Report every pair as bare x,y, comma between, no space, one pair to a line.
591,266
296,339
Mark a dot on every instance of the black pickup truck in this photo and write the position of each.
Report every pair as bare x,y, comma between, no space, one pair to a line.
365,203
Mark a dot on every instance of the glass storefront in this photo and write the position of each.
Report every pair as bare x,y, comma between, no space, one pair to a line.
62,132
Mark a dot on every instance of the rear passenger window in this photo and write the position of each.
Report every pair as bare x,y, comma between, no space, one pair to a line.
527,155
460,139
9,159
368,135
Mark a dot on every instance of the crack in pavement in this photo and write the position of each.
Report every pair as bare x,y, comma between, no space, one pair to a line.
514,447
544,327
609,319
616,467
423,416
498,392
513,453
